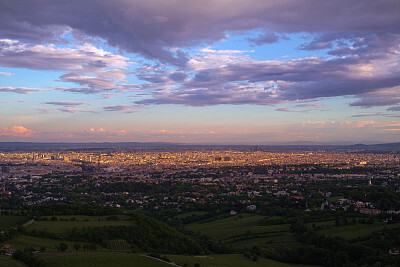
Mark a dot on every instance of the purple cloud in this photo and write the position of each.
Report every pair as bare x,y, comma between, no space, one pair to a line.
67,110
84,59
395,108
290,110
362,38
265,38
66,103
124,107
19,90
151,28
223,78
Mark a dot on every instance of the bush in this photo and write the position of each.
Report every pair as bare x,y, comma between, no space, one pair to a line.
63,247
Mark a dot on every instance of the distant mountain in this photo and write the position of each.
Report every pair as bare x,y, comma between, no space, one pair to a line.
33,146
152,146
381,147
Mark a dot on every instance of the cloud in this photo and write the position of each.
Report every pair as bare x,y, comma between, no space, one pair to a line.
235,94
6,74
361,40
67,110
395,108
124,107
17,131
66,103
378,114
310,105
84,59
348,124
151,28
290,110
90,81
380,97
101,132
265,38
94,69
81,90
232,78
19,90
44,111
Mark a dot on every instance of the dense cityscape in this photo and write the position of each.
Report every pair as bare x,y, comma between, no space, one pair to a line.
299,191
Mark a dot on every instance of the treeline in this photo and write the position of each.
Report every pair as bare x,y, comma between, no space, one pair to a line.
10,233
335,251
74,208
29,259
146,235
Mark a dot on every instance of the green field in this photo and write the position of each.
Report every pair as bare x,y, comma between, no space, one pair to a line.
246,232
106,259
23,241
231,260
230,227
9,221
265,240
59,227
235,227
6,261
188,214
357,230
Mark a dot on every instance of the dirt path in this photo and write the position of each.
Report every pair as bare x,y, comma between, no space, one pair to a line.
170,263
29,222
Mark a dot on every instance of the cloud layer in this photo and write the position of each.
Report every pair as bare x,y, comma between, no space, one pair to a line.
151,27
17,131
112,57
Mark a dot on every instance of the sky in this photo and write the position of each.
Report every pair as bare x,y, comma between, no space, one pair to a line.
200,71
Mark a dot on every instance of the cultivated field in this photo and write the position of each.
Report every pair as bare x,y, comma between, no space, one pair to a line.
245,231
357,230
231,260
106,259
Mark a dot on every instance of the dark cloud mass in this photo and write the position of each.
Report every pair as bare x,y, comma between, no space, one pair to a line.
151,27
361,39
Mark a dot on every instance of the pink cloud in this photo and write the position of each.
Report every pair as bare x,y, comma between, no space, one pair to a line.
101,132
16,131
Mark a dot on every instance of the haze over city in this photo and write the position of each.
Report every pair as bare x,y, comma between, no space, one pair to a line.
200,71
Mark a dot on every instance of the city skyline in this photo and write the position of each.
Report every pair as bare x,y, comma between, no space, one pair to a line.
200,71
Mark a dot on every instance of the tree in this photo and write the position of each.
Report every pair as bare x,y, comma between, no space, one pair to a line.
85,247
77,246
63,247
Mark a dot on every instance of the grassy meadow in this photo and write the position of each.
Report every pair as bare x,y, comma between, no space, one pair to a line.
6,261
9,221
113,259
